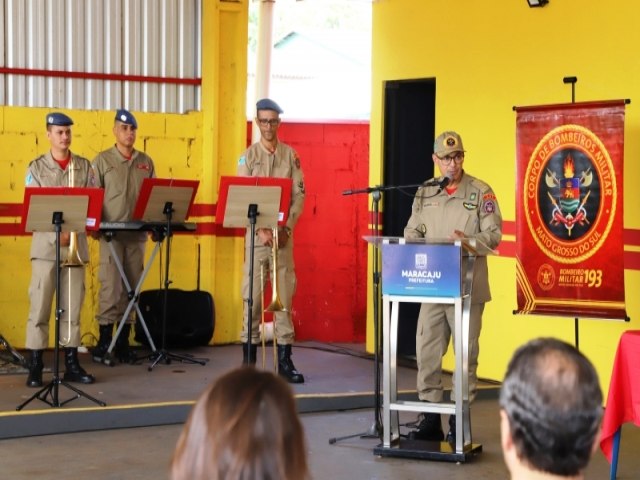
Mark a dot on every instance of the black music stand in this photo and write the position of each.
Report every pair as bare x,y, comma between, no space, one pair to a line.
260,200
46,209
167,205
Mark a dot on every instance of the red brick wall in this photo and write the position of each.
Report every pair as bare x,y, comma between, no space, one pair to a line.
330,254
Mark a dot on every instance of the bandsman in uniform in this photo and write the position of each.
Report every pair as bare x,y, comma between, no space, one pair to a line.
57,168
120,171
271,158
465,208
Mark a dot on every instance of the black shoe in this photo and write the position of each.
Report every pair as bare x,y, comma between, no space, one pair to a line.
122,351
286,368
73,371
99,352
451,435
35,366
429,428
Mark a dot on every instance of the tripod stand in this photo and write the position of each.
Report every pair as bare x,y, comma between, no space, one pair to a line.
51,390
163,355
12,355
375,430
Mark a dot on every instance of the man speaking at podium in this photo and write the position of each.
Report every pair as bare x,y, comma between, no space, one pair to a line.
460,206
272,158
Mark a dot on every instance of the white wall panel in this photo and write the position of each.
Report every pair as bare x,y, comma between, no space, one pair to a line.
36,53
152,38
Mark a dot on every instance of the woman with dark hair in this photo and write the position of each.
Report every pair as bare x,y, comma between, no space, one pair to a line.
243,426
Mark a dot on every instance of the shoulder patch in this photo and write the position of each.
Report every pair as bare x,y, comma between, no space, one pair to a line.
489,206
242,160
29,179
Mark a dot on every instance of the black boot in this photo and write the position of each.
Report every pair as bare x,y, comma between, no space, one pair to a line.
99,352
34,379
74,372
286,368
122,350
451,435
252,354
429,428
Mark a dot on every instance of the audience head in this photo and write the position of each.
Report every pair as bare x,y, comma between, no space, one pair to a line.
243,426
551,408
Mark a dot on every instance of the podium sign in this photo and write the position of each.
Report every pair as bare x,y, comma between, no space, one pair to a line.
424,270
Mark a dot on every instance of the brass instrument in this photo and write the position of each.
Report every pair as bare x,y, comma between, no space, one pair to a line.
276,304
73,260
263,331
73,256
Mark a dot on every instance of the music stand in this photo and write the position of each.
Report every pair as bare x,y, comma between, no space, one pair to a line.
60,209
264,201
166,203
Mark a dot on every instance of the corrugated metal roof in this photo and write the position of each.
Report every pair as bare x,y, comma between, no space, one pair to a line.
93,54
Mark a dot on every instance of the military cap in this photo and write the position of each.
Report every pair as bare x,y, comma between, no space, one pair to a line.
268,104
447,143
58,119
126,117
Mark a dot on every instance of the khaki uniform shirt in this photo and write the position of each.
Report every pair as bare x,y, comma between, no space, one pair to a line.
257,161
472,209
121,180
44,171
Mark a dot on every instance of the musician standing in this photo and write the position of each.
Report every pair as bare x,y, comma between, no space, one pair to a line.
271,158
120,171
56,168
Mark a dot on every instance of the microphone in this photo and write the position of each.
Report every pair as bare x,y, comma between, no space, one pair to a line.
437,183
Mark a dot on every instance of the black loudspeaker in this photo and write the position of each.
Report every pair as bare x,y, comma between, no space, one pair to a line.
190,318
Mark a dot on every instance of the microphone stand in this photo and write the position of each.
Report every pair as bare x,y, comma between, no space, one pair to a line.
163,354
376,428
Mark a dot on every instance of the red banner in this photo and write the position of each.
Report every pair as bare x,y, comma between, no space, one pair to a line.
569,220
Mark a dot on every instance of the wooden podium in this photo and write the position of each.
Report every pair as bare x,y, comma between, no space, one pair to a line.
421,271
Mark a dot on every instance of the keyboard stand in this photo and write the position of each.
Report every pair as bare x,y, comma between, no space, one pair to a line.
133,298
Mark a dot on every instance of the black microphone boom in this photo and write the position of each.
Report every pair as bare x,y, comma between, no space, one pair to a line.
437,183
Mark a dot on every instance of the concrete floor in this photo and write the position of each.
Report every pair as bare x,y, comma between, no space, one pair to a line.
145,452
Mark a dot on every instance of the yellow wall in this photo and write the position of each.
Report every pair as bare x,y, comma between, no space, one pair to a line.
486,58
198,145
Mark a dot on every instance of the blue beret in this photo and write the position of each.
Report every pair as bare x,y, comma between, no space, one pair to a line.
126,117
58,119
268,104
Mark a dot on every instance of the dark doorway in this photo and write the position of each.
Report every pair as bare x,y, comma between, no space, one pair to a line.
409,132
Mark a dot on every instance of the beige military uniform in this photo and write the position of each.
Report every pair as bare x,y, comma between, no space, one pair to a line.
472,209
121,180
44,171
257,161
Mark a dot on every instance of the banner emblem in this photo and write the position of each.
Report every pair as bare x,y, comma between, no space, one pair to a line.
571,194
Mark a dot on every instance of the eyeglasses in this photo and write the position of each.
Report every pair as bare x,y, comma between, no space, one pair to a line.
458,158
266,121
